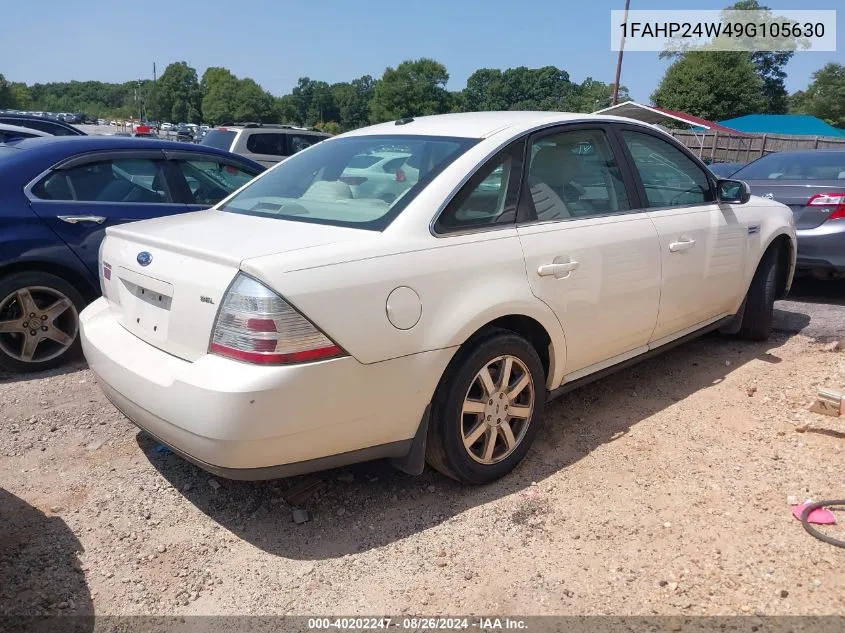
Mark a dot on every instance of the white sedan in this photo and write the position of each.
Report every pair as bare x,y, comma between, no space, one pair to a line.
296,326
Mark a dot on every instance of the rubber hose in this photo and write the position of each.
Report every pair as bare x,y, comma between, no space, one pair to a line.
822,537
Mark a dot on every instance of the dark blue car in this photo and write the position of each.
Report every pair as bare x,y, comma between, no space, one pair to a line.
57,196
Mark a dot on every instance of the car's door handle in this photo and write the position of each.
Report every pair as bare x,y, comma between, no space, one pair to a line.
684,244
558,269
76,219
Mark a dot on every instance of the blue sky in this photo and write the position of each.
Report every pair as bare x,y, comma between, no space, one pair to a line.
277,41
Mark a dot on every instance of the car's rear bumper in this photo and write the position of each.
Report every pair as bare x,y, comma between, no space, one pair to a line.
252,422
823,246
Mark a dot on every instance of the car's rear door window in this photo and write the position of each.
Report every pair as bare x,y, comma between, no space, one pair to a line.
121,180
271,144
573,174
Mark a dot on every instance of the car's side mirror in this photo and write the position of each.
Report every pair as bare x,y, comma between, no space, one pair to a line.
733,191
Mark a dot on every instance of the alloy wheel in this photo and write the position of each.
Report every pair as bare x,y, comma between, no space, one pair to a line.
497,409
37,324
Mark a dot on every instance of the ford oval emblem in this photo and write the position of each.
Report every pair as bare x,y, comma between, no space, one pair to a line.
144,258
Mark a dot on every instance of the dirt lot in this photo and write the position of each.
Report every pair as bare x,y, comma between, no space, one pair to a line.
660,490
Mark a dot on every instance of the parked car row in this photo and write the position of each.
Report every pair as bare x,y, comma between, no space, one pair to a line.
466,268
509,258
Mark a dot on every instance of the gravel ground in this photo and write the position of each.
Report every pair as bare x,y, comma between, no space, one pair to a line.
662,489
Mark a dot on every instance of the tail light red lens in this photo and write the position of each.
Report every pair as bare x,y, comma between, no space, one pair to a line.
400,176
834,200
256,325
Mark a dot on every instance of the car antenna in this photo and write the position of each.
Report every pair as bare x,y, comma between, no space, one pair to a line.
404,120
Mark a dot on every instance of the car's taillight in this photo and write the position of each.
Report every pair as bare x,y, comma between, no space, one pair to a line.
256,325
400,176
834,200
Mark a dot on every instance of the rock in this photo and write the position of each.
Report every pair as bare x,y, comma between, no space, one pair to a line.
750,391
745,608
431,489
215,485
161,549
468,575
667,524
57,509
792,500
663,583
784,593
441,562
802,428
833,346
341,511
301,516
188,486
54,428
727,363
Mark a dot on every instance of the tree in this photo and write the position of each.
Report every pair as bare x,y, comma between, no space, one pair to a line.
178,95
547,88
6,99
711,85
770,65
252,103
413,88
352,101
219,88
825,96
594,95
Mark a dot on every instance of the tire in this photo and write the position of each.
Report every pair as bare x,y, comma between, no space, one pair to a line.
760,301
56,304
445,450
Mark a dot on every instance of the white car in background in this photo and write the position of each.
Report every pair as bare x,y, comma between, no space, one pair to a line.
297,326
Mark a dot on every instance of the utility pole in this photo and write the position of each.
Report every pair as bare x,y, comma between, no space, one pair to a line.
153,97
619,59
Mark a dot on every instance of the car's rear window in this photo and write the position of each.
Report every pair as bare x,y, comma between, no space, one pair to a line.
220,139
325,185
810,166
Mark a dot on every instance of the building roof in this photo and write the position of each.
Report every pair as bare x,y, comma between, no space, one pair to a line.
656,115
790,124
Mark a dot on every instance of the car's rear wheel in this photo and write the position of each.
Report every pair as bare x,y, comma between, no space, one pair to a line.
487,409
39,321
760,301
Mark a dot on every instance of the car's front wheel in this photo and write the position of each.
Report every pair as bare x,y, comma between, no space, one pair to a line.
487,409
39,321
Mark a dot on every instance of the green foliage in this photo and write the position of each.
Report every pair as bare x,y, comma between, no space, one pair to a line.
825,96
413,88
712,85
178,96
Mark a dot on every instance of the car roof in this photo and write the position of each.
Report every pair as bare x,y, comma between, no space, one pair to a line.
479,124
52,149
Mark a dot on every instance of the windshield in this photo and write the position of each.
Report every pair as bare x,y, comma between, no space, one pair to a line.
335,182
810,166
219,139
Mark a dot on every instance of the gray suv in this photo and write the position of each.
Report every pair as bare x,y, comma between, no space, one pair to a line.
262,142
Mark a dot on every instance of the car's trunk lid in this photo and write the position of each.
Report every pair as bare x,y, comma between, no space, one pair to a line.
166,278
796,194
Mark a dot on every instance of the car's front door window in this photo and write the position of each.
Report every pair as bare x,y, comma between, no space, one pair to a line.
670,178
210,181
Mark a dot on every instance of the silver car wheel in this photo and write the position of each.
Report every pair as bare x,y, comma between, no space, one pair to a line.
497,409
